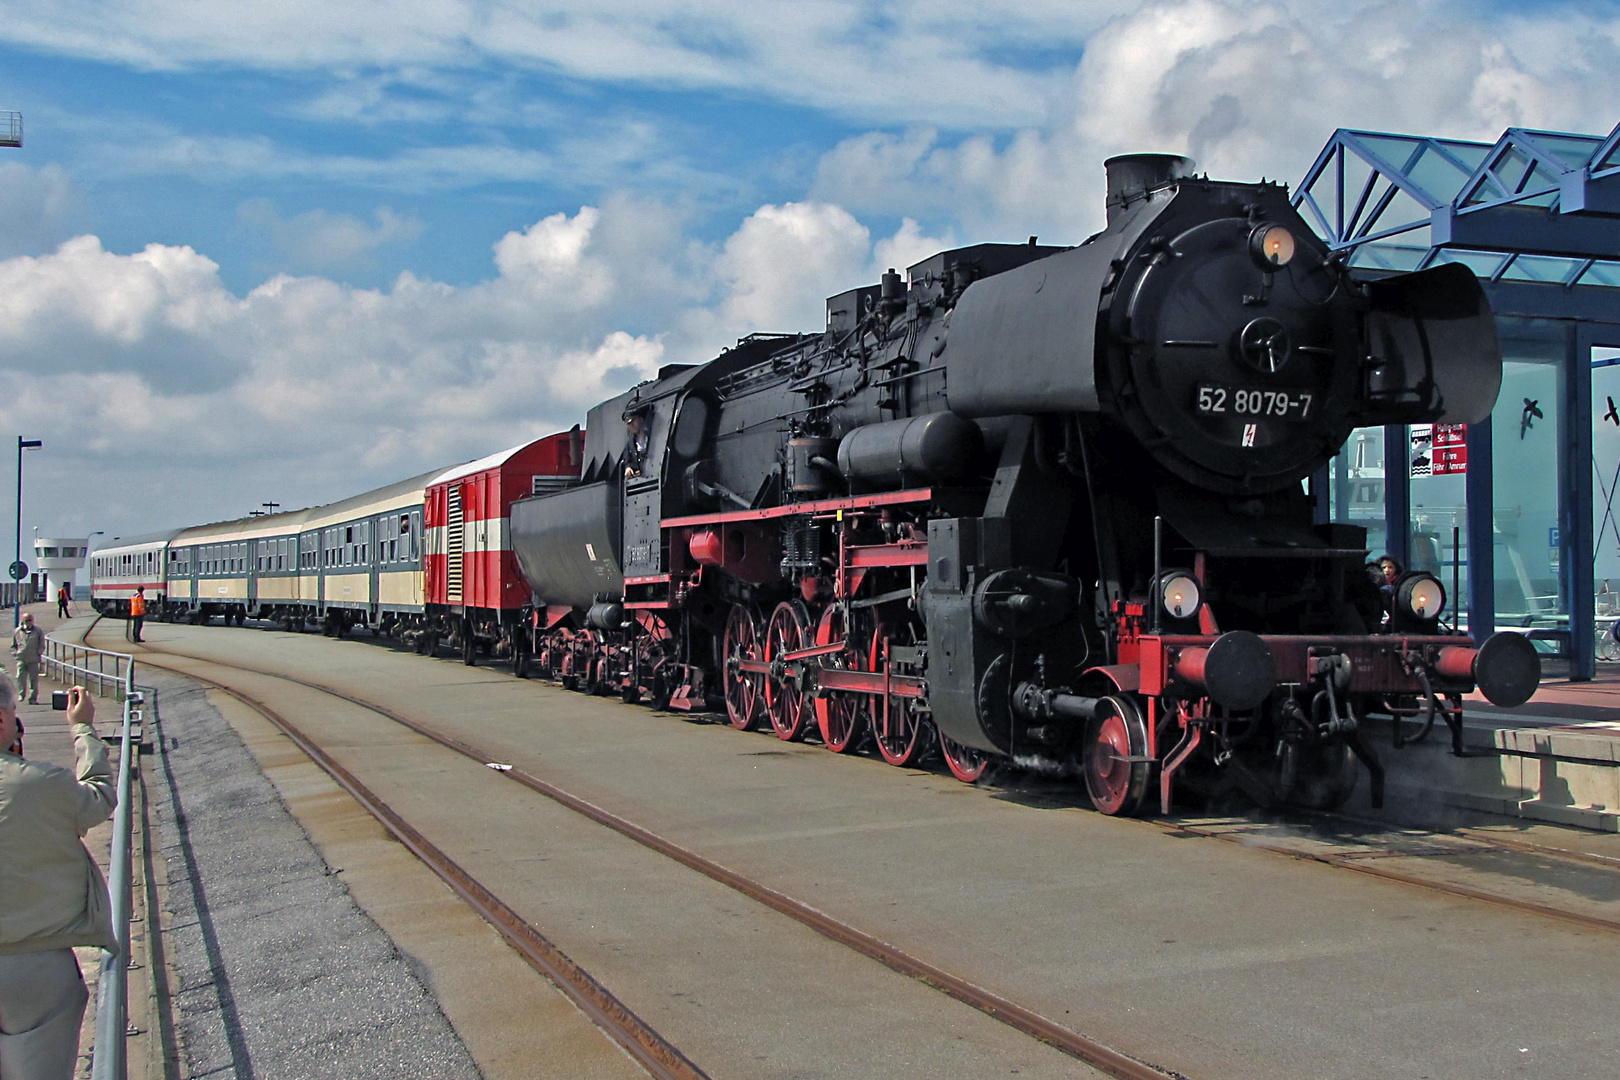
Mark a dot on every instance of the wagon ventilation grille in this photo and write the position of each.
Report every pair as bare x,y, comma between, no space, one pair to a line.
454,538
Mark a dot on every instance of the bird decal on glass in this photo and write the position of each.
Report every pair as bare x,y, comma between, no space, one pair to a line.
1612,416
1531,413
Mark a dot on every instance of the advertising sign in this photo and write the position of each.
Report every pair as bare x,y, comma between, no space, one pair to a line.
1439,449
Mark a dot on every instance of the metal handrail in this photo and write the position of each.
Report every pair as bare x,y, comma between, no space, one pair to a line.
60,658
108,1058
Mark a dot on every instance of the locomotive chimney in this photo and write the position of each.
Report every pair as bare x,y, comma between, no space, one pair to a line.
1131,175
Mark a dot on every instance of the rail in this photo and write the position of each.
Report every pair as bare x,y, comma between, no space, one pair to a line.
108,1059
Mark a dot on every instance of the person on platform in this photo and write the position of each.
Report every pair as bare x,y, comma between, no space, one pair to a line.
27,643
137,612
1392,573
52,895
62,611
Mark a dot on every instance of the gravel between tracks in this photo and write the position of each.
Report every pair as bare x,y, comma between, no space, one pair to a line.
279,972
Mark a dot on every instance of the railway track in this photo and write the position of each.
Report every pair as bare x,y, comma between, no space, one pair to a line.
1370,857
1344,841
1335,839
660,1057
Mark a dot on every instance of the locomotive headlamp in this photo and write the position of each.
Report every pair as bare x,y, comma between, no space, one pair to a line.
1272,246
1420,595
1180,595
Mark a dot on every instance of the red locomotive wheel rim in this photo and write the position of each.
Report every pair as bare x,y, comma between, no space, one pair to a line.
785,702
895,729
965,763
839,716
1110,775
742,688
1116,771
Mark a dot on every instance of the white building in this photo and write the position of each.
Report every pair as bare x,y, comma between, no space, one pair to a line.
59,557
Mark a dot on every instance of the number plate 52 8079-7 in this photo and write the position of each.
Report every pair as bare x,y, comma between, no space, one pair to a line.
1220,400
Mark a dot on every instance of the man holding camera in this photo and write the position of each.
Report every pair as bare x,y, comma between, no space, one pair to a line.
52,895
26,645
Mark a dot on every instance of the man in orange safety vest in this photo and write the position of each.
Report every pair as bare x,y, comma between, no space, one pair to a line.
137,611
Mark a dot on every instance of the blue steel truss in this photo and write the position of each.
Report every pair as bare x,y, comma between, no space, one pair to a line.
1536,207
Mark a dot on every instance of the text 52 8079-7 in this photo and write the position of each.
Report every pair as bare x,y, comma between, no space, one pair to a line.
1220,400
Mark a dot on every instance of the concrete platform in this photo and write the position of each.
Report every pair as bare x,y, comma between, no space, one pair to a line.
1555,758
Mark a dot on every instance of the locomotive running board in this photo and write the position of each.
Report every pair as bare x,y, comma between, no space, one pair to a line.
823,506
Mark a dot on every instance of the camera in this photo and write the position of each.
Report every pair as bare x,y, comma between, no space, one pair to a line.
59,700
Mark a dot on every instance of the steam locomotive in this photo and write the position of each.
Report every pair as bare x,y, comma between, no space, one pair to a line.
1039,503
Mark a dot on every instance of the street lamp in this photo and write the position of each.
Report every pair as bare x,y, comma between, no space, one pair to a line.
17,565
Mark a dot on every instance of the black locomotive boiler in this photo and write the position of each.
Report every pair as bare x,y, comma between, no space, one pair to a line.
1039,503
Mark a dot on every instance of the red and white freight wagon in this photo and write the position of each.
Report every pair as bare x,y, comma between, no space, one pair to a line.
473,587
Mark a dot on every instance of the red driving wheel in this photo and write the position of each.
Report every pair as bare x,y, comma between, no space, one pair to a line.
785,701
744,690
841,715
897,728
965,763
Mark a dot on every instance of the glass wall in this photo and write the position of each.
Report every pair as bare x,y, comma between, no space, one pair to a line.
1606,498
1437,529
1526,487
1356,486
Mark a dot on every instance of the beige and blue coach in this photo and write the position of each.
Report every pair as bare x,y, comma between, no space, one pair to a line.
361,559
354,562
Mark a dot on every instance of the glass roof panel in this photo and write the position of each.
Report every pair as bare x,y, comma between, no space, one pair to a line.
1383,256
1402,210
1573,150
1542,268
1438,176
1606,274
1394,149
1517,171
1471,153
1482,263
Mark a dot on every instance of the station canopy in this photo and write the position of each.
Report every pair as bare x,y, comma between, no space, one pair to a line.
1535,207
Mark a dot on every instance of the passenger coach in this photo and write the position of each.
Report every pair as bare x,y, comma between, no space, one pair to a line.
126,564
428,559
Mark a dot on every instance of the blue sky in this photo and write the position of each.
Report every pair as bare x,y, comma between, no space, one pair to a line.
288,251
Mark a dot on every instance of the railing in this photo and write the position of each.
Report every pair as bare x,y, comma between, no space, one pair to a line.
68,664
9,589
71,663
11,128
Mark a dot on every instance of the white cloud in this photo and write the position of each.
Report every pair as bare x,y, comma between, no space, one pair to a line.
907,246
923,62
36,206
321,240
1248,90
784,261
307,389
